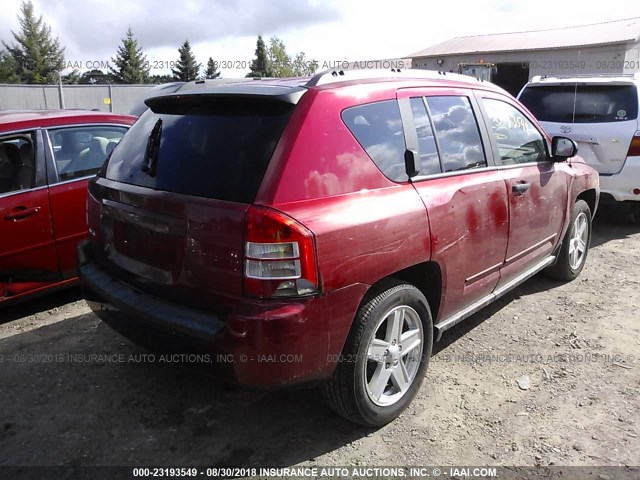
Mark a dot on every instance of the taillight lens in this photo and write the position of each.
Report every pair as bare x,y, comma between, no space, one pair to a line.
634,148
272,260
279,256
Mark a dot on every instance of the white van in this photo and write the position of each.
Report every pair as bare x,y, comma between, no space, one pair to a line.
600,113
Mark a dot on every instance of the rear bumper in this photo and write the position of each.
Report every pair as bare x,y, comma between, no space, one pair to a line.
260,344
621,185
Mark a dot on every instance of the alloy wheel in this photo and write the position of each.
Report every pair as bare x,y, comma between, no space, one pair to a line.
393,355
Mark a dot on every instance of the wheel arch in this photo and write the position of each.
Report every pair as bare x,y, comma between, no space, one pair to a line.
425,276
591,198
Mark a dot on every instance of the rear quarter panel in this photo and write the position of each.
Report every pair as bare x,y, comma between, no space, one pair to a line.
366,227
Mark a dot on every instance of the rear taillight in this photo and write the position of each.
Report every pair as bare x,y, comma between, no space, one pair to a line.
279,256
634,148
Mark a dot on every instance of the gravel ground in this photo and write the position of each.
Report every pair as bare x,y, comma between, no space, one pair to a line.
548,375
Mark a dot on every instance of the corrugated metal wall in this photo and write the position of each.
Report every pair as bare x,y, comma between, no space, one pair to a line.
47,97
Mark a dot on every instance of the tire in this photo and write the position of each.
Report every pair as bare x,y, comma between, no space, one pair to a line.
571,259
373,351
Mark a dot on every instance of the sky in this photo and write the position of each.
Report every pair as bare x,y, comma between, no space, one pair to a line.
329,31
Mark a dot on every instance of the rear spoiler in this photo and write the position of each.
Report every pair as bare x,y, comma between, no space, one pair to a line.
224,96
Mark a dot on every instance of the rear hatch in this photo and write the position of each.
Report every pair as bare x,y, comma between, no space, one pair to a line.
174,195
601,117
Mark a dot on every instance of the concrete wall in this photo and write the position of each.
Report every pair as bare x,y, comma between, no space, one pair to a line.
592,60
47,97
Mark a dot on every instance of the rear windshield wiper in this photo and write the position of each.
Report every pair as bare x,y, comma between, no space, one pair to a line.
150,163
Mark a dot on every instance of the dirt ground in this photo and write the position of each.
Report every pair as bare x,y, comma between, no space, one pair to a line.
548,375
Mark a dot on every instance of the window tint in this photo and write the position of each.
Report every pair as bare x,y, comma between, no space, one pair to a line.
378,128
457,133
211,147
17,163
81,151
518,140
427,150
593,103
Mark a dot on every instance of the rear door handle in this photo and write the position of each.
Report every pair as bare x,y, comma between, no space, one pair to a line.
19,213
520,188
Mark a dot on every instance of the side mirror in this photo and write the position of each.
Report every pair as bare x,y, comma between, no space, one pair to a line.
411,162
563,148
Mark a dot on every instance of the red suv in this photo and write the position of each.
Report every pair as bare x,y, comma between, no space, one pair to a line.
329,229
46,159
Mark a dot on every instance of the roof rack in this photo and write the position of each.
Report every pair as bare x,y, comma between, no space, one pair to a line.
635,75
334,76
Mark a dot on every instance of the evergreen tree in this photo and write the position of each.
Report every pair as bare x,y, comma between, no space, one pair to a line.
131,65
72,78
37,55
187,68
159,79
95,77
211,72
260,65
8,69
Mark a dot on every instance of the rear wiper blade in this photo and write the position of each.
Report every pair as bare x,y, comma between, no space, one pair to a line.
150,163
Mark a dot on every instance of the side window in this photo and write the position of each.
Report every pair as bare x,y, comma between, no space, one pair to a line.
518,140
17,163
457,133
427,150
81,151
378,128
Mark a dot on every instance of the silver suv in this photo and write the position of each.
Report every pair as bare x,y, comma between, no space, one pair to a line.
600,113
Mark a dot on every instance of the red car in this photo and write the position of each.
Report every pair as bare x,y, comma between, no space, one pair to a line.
329,229
46,159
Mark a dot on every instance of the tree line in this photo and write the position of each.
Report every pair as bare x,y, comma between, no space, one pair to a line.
36,57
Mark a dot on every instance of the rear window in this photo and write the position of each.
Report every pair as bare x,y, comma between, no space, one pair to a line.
582,103
208,147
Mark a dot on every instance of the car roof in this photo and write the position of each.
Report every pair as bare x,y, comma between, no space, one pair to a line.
291,89
21,119
602,79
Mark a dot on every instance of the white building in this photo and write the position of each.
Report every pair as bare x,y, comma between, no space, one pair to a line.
609,47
